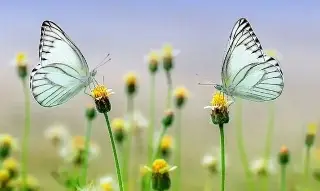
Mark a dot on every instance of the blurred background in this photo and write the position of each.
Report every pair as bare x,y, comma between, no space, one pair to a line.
128,30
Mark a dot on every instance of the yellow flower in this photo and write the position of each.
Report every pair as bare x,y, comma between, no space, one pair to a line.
312,129
153,57
21,59
107,183
166,142
219,100
118,124
101,92
181,92
11,164
130,78
167,51
4,175
101,96
160,166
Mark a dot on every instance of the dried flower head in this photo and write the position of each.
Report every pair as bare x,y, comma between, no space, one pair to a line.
101,96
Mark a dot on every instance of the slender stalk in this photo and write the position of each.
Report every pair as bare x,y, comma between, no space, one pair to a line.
307,164
151,118
208,183
26,133
86,156
127,148
269,136
222,153
169,93
114,151
157,151
283,178
240,143
177,159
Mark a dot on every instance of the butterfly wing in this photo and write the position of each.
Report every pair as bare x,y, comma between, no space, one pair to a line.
247,70
62,71
262,81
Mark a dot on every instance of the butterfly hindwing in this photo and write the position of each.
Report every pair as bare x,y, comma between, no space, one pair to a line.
62,71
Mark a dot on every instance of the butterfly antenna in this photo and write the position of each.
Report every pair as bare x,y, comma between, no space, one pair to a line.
205,83
104,61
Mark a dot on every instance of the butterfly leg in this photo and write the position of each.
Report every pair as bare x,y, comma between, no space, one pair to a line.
86,91
232,100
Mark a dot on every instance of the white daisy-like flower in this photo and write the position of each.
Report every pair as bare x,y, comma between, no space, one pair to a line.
57,134
263,167
212,160
107,183
73,151
139,122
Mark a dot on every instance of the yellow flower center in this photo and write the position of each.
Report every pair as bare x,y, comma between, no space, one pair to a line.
117,124
21,59
160,166
100,92
10,164
107,186
181,92
166,142
167,51
219,100
6,140
312,129
131,78
4,175
153,57
78,142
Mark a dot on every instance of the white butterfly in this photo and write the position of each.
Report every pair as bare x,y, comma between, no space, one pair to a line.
247,72
62,71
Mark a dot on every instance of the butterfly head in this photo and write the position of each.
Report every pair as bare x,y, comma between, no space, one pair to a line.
219,87
93,73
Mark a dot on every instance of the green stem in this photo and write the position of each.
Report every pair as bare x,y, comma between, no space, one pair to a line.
223,162
86,156
114,151
269,136
177,160
151,118
283,178
169,94
127,147
307,164
26,133
240,143
157,151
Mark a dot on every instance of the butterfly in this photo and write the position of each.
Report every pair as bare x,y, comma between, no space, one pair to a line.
62,71
247,72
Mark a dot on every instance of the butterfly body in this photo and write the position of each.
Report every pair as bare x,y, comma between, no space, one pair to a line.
247,72
62,71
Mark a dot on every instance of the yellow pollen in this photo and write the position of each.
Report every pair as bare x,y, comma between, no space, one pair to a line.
10,164
159,166
181,92
100,92
166,142
167,51
219,100
21,59
131,78
312,129
117,124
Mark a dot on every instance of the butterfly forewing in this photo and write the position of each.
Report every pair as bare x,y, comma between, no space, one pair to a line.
243,47
62,71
